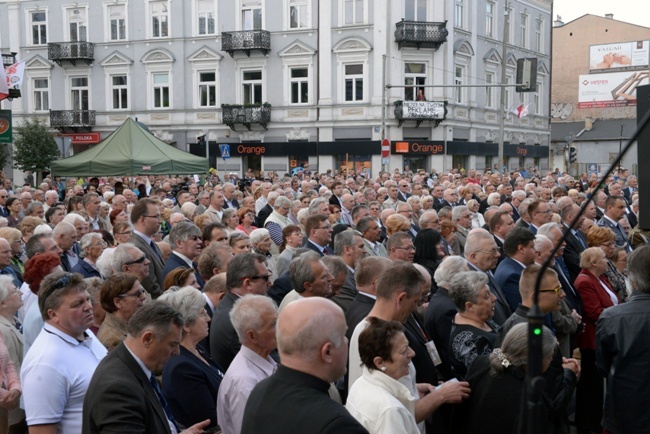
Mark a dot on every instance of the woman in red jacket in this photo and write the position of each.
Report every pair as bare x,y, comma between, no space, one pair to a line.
597,295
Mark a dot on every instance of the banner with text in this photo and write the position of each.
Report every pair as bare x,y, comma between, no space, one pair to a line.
613,89
619,56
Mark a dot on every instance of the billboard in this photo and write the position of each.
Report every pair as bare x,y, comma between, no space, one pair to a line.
619,56
612,89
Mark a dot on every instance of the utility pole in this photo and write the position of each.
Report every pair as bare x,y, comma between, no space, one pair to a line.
383,104
502,105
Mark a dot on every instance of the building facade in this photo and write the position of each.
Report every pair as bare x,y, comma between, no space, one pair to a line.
289,82
597,64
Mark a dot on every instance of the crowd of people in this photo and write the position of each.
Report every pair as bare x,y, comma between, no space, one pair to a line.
321,303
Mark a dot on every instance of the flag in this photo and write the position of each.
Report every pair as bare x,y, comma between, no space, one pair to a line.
521,111
15,74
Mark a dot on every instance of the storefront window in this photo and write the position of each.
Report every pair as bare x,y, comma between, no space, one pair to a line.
297,161
359,163
415,163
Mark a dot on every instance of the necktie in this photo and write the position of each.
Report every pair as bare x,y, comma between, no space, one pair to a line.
325,252
154,247
163,401
575,234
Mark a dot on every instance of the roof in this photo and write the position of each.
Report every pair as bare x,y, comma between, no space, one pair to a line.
609,129
602,18
130,150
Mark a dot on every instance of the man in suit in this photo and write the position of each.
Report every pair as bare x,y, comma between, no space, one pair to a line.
266,210
518,196
371,233
575,244
501,223
312,345
146,223
632,187
3,203
123,395
462,218
229,196
350,247
65,236
247,274
438,193
540,213
614,211
615,189
366,279
482,254
319,234
215,210
404,190
519,247
202,202
337,194
185,239
393,199
92,204
599,200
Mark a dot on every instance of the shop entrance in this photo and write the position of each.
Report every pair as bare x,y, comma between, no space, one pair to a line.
252,162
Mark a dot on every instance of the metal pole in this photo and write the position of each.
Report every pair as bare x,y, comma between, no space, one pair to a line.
502,105
383,104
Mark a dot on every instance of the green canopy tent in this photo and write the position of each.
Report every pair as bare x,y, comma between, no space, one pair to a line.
130,150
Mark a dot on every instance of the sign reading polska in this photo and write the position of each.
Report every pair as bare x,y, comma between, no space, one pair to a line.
84,138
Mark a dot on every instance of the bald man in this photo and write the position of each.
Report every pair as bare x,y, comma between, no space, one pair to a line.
313,348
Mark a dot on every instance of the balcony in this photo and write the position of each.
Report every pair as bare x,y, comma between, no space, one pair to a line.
246,41
71,52
72,120
420,111
420,34
246,115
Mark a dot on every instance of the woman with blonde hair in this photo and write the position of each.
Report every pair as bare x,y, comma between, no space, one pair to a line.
396,223
605,239
426,202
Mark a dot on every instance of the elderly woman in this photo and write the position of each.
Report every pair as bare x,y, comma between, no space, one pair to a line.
477,218
12,340
426,203
13,237
230,220
605,239
429,252
94,288
122,232
619,258
180,277
498,382
118,216
121,296
378,400
246,220
191,379
261,242
472,333
494,199
91,247
416,208
189,210
597,295
239,243
291,240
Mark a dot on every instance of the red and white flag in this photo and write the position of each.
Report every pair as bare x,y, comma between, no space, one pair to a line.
521,110
11,77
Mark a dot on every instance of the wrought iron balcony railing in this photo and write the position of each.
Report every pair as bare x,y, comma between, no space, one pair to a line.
71,51
246,41
420,34
72,119
246,115
420,111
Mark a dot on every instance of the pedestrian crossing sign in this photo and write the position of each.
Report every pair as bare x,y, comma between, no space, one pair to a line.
225,151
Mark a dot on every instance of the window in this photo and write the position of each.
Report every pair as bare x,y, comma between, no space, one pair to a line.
508,91
252,87
161,90
41,94
354,11
511,26
39,27
251,15
489,19
538,99
207,89
77,25
458,81
459,11
159,19
490,100
299,85
117,22
207,23
79,93
539,26
120,92
354,82
298,14
524,30
415,10
415,75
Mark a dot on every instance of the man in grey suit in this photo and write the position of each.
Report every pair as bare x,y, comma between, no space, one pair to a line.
371,233
123,395
351,248
145,218
614,211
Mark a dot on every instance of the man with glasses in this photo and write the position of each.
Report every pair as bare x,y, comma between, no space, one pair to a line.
247,274
60,363
185,239
319,234
540,213
145,218
400,247
129,259
3,203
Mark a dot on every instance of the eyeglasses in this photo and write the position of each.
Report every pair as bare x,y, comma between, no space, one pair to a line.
328,227
136,294
555,290
100,244
63,281
140,260
548,211
489,252
408,248
195,238
125,233
157,216
263,276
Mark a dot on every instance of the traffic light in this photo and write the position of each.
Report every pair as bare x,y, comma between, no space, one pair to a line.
573,155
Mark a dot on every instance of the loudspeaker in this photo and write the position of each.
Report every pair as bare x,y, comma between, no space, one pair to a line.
643,153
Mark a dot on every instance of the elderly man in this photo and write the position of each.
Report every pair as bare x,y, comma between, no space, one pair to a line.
185,239
309,277
350,247
215,210
146,219
400,247
277,221
229,196
247,274
59,365
313,349
124,395
366,279
65,236
393,199
92,204
92,245
254,318
371,233
51,197
6,267
319,234
128,258
462,218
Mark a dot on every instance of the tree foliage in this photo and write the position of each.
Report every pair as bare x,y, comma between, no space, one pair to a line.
34,146
5,155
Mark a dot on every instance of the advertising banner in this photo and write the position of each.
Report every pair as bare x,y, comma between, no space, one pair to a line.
619,56
614,89
5,126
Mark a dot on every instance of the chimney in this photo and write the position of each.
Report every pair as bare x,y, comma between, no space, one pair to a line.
558,21
589,123
609,16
